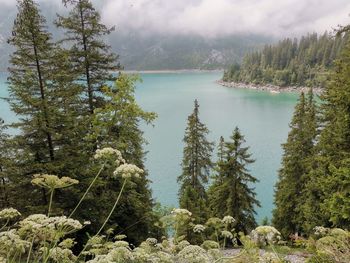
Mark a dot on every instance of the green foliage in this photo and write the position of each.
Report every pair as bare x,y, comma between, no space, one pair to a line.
298,153
196,165
327,199
290,62
90,56
231,193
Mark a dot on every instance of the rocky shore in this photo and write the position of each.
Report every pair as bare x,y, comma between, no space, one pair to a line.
268,87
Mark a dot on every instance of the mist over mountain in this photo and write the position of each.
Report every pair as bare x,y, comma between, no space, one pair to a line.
150,50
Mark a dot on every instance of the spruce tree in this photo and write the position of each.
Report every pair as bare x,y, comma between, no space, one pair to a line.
32,98
90,56
231,192
298,151
196,165
328,181
46,99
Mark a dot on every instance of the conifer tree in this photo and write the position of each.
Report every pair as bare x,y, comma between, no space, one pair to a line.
91,59
44,96
32,98
298,151
328,180
231,193
196,165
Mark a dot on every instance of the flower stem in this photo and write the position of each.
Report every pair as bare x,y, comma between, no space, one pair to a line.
113,208
50,203
110,214
87,190
30,250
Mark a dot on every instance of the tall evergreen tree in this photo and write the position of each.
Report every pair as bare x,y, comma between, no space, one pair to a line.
329,182
298,151
196,165
231,193
91,59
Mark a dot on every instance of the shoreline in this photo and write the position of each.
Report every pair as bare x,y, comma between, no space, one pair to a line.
268,87
179,71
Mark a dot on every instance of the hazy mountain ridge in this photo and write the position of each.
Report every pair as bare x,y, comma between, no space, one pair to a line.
145,51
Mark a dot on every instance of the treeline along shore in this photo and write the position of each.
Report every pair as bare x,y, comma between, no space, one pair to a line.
268,87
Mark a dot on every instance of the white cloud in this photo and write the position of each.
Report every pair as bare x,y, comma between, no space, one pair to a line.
222,17
217,17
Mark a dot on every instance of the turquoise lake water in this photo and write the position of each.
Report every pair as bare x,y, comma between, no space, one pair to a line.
262,117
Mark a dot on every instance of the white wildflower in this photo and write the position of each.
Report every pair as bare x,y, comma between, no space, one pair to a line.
120,237
264,235
67,243
181,211
9,213
48,228
11,243
227,234
321,231
152,241
127,171
198,228
59,255
109,153
228,220
194,254
52,181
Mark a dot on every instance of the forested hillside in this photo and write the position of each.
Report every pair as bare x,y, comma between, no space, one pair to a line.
291,62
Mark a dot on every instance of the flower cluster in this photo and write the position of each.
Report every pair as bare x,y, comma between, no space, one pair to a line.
198,228
228,220
59,255
109,153
264,235
48,228
52,181
11,243
321,231
127,171
227,234
181,211
9,213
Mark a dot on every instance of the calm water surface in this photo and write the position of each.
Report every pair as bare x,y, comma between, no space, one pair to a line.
262,117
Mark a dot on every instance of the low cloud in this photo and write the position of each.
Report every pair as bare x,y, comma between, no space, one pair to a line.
216,17
225,17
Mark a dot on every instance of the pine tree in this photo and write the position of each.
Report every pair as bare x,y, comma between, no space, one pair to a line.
196,165
32,98
91,59
298,151
328,179
4,151
231,193
46,99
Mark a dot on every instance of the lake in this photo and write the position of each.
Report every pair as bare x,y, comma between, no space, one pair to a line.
263,118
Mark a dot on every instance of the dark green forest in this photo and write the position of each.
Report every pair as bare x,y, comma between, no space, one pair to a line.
291,62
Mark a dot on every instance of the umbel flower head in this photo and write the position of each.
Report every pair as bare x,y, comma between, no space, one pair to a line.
109,154
52,181
181,211
198,228
228,220
227,234
127,171
48,228
9,213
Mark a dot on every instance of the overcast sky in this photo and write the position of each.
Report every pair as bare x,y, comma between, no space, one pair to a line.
218,17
